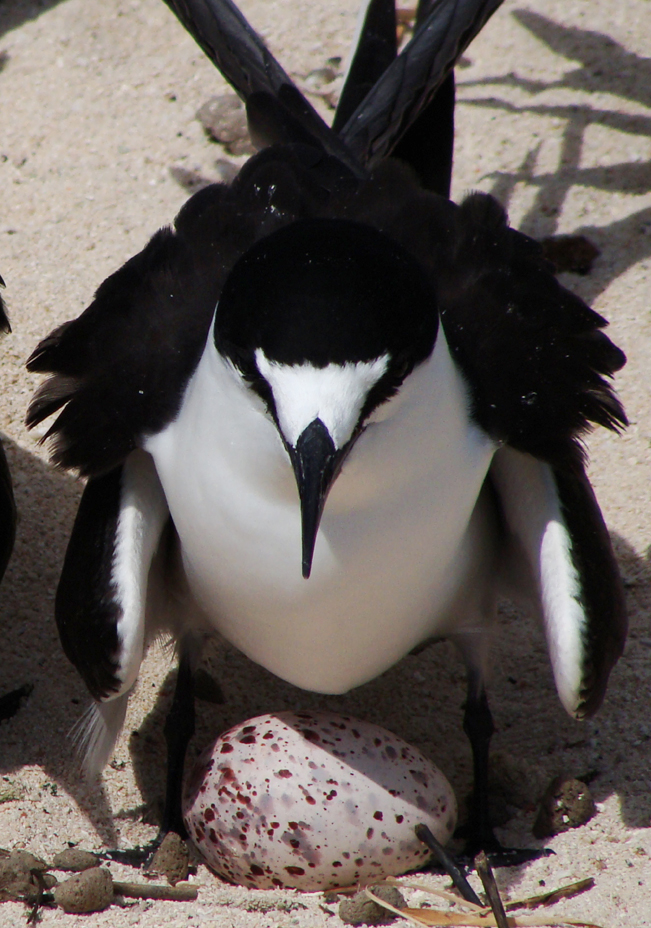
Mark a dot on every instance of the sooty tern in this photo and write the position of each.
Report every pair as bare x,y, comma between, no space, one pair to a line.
330,322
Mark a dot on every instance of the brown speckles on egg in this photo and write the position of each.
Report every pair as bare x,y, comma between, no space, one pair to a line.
299,804
419,777
310,735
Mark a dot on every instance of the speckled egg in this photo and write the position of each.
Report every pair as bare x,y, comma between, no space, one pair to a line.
313,800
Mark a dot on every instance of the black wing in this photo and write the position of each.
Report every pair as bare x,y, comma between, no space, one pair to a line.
119,370
571,573
536,359
86,609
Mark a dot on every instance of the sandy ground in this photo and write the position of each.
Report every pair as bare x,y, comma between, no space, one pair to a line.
98,103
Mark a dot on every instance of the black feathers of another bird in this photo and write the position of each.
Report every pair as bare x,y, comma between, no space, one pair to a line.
7,502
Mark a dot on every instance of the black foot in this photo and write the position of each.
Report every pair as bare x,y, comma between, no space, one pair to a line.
137,856
483,839
505,856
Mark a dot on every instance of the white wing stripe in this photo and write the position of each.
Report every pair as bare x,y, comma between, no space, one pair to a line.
143,513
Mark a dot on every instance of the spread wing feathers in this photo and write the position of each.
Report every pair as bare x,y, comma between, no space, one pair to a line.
534,354
556,519
119,368
101,599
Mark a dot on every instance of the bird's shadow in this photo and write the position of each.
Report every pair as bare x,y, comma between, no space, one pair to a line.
13,13
38,734
603,66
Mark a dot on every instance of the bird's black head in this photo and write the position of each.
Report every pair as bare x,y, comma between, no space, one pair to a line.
324,319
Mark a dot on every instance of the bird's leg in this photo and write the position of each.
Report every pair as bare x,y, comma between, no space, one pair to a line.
478,726
179,729
478,831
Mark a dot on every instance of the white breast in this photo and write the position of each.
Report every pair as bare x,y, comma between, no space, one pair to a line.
391,547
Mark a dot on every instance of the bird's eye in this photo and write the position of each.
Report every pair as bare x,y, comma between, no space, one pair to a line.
402,371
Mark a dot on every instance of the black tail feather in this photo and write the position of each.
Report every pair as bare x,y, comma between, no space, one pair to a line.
376,49
399,96
409,84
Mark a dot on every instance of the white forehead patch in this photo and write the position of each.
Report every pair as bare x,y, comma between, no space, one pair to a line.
334,394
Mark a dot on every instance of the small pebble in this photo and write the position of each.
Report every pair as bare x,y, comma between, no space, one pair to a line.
567,803
74,860
360,910
171,860
29,860
15,878
224,120
90,891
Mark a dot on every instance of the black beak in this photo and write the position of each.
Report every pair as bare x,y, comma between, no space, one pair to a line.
315,461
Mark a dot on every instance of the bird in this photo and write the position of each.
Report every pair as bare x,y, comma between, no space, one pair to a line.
331,414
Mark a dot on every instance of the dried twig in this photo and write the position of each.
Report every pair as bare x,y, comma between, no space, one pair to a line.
434,891
438,919
182,892
563,892
490,888
458,878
